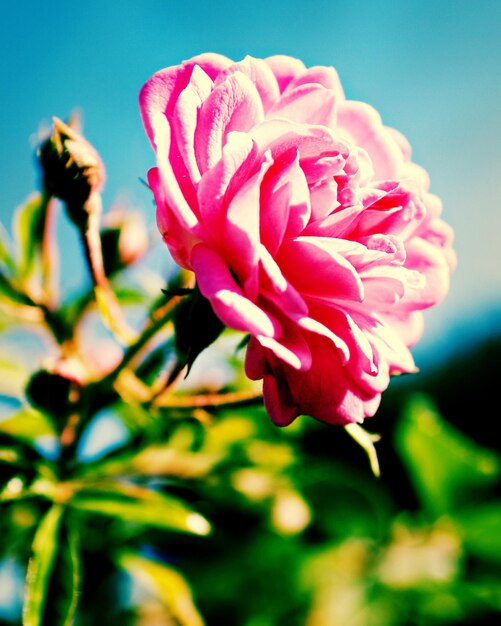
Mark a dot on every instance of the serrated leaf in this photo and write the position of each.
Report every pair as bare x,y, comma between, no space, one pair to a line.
168,585
29,227
141,506
40,566
448,469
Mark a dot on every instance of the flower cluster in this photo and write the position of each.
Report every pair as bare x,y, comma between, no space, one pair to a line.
305,222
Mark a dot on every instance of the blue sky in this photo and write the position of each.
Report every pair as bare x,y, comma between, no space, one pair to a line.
431,67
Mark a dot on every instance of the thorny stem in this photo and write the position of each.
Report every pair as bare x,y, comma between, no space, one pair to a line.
50,261
209,400
105,296
161,314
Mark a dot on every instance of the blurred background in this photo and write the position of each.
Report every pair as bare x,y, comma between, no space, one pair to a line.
302,525
430,68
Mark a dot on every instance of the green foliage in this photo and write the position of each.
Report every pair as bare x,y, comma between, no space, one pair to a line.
447,468
197,510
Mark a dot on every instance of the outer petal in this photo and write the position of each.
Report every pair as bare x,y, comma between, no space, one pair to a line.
363,125
260,74
159,94
321,75
234,104
185,118
306,104
285,69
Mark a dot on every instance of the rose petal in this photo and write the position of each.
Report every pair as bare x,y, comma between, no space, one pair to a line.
284,68
260,74
306,104
227,298
234,104
322,272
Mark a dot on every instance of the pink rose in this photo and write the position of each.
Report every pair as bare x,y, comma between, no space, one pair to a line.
305,222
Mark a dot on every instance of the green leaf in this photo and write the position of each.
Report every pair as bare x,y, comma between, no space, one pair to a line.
366,440
9,291
54,573
10,456
5,249
29,228
27,424
167,584
13,376
40,566
138,505
64,588
480,528
448,469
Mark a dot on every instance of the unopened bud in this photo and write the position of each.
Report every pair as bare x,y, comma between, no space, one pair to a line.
124,239
56,388
72,170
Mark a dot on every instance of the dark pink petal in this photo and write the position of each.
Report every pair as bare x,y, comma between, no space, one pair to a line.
290,347
285,203
324,166
277,290
255,362
278,400
326,391
240,237
338,224
316,268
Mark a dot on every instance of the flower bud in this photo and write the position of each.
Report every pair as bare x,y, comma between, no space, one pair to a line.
72,170
124,239
55,389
